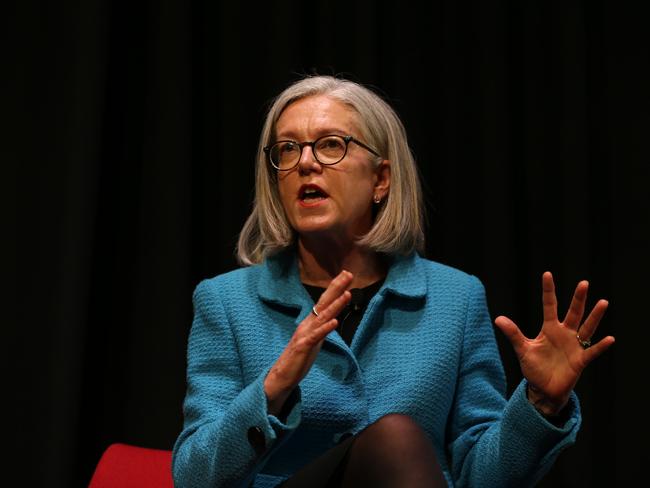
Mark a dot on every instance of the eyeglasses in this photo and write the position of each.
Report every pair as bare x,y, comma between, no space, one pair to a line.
327,150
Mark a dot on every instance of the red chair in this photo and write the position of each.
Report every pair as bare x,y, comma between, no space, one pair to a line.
125,466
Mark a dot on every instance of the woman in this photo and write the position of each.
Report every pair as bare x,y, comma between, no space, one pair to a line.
340,357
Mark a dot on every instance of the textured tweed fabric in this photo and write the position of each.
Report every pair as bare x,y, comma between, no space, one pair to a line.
425,347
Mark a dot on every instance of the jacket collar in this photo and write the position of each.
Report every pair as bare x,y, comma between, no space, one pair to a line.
280,283
406,278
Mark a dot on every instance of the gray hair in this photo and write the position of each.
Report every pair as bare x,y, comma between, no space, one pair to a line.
399,221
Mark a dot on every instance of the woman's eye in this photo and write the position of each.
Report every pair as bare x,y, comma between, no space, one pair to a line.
330,143
288,147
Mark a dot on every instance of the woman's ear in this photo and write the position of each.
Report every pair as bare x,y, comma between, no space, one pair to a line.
382,185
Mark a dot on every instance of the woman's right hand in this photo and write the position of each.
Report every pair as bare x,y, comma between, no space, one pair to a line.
299,355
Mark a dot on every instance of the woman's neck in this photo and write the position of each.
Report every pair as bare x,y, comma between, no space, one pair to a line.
320,262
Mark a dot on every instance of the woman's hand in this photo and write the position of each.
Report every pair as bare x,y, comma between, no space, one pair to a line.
299,355
553,361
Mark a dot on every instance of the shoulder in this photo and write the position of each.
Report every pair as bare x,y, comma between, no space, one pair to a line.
238,281
416,276
436,267
453,290
447,283
444,274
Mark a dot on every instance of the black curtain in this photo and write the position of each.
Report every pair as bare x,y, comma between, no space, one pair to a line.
130,138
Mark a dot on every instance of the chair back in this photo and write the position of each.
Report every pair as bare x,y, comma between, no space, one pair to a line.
126,466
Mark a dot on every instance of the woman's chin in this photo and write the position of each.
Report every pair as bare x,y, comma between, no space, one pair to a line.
315,227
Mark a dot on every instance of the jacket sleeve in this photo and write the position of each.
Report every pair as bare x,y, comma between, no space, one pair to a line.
495,442
227,434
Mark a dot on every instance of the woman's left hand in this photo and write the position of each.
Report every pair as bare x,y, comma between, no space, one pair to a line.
553,361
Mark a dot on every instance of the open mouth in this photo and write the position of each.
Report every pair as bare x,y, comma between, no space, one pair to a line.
311,194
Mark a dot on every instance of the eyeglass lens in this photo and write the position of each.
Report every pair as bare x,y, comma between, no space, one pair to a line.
327,150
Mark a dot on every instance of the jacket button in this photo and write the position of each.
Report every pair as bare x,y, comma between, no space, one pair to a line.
256,440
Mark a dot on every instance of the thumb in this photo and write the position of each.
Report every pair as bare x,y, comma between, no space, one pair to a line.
511,331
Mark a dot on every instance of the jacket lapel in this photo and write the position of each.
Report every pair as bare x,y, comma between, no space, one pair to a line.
279,284
406,281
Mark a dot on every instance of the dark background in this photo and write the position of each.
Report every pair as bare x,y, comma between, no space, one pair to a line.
132,129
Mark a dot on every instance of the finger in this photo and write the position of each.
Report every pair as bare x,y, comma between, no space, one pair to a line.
334,308
313,330
336,287
322,330
316,335
577,308
549,301
327,321
593,320
598,348
511,331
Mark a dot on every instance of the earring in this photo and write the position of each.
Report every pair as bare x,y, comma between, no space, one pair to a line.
377,199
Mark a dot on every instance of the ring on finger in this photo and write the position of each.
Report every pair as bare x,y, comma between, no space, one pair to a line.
313,310
585,344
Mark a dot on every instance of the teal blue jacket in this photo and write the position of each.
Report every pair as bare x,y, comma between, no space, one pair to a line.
425,347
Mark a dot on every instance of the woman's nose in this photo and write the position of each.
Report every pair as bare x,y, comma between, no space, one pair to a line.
307,162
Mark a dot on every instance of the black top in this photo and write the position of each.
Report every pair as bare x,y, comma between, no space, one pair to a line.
351,315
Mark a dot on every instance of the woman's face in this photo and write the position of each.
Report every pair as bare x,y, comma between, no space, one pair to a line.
329,201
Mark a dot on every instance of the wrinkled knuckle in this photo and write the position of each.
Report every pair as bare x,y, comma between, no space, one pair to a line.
304,343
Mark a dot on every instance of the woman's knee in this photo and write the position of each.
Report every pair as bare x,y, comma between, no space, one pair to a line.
397,423
394,451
